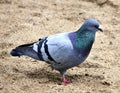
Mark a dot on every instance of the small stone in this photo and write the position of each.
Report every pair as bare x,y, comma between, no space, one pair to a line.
86,74
110,43
103,73
106,83
101,42
1,87
101,2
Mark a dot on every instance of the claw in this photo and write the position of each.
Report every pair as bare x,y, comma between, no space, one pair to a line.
65,81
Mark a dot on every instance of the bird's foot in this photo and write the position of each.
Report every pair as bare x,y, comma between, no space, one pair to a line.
65,81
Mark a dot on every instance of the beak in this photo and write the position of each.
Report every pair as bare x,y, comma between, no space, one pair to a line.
100,29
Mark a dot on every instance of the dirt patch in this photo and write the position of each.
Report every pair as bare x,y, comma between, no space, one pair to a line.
25,21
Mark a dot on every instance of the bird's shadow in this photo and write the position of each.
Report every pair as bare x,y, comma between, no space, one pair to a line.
54,77
48,76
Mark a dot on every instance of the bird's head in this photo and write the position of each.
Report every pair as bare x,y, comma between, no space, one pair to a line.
91,25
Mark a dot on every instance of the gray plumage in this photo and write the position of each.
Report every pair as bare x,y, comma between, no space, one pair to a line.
62,51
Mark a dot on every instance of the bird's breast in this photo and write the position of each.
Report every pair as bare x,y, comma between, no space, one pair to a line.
85,50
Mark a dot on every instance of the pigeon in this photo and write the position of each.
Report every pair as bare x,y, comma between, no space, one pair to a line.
64,50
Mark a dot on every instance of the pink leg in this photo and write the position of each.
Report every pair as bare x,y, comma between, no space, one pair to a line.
65,81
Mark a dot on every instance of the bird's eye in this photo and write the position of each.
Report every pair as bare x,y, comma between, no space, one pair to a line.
95,26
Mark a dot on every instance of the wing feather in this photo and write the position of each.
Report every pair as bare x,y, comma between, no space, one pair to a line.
60,47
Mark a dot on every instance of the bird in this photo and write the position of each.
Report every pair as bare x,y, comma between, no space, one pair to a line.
62,51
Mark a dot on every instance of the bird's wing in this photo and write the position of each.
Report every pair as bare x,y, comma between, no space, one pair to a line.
56,48
60,48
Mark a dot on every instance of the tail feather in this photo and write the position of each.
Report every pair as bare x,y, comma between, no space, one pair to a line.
14,52
25,49
26,45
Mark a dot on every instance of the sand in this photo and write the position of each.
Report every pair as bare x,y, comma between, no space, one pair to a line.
25,21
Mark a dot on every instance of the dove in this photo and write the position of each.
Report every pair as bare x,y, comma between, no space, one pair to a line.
62,51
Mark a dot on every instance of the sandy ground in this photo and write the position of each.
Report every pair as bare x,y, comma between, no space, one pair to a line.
24,21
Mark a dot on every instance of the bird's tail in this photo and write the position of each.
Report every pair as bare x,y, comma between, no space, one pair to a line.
25,49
